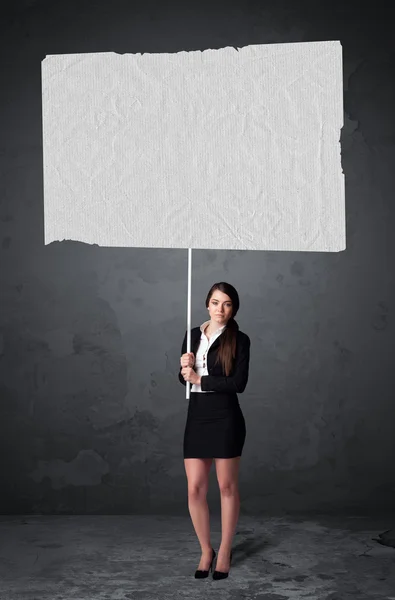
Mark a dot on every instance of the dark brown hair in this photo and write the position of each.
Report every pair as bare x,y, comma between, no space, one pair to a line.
227,348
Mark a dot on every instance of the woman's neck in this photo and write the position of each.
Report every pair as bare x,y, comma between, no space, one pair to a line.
213,327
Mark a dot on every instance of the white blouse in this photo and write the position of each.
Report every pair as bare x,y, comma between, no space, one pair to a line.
203,348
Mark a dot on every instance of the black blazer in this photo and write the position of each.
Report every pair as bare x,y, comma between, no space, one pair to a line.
216,380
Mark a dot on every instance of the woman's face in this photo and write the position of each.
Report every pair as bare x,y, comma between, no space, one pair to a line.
220,308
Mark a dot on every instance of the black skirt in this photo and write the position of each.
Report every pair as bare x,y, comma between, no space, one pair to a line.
215,426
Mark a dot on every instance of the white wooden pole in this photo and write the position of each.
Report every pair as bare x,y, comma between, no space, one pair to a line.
189,312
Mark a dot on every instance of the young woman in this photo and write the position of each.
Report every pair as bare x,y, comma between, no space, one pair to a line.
217,369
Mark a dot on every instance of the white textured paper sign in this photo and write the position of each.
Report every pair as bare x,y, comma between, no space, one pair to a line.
220,149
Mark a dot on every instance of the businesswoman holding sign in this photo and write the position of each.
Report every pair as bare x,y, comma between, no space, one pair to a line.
217,369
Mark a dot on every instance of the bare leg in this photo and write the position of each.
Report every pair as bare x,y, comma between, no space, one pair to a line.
227,475
197,470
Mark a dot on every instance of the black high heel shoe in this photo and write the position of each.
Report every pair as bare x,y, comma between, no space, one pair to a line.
222,574
201,573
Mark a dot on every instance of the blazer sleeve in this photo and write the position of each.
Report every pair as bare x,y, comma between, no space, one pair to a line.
183,350
238,381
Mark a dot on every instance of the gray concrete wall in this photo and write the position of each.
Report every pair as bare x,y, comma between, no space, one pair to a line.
91,410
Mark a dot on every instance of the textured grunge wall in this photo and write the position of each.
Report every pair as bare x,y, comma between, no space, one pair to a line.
91,410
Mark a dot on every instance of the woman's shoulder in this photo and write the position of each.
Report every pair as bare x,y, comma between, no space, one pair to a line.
242,337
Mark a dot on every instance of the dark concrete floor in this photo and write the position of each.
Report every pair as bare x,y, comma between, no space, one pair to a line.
148,557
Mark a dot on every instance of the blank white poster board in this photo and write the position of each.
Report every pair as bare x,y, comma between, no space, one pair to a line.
220,149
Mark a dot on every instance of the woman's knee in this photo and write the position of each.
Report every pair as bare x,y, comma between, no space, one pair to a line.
228,488
228,475
197,491
198,475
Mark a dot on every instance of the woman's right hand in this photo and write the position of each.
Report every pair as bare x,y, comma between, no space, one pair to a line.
187,359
